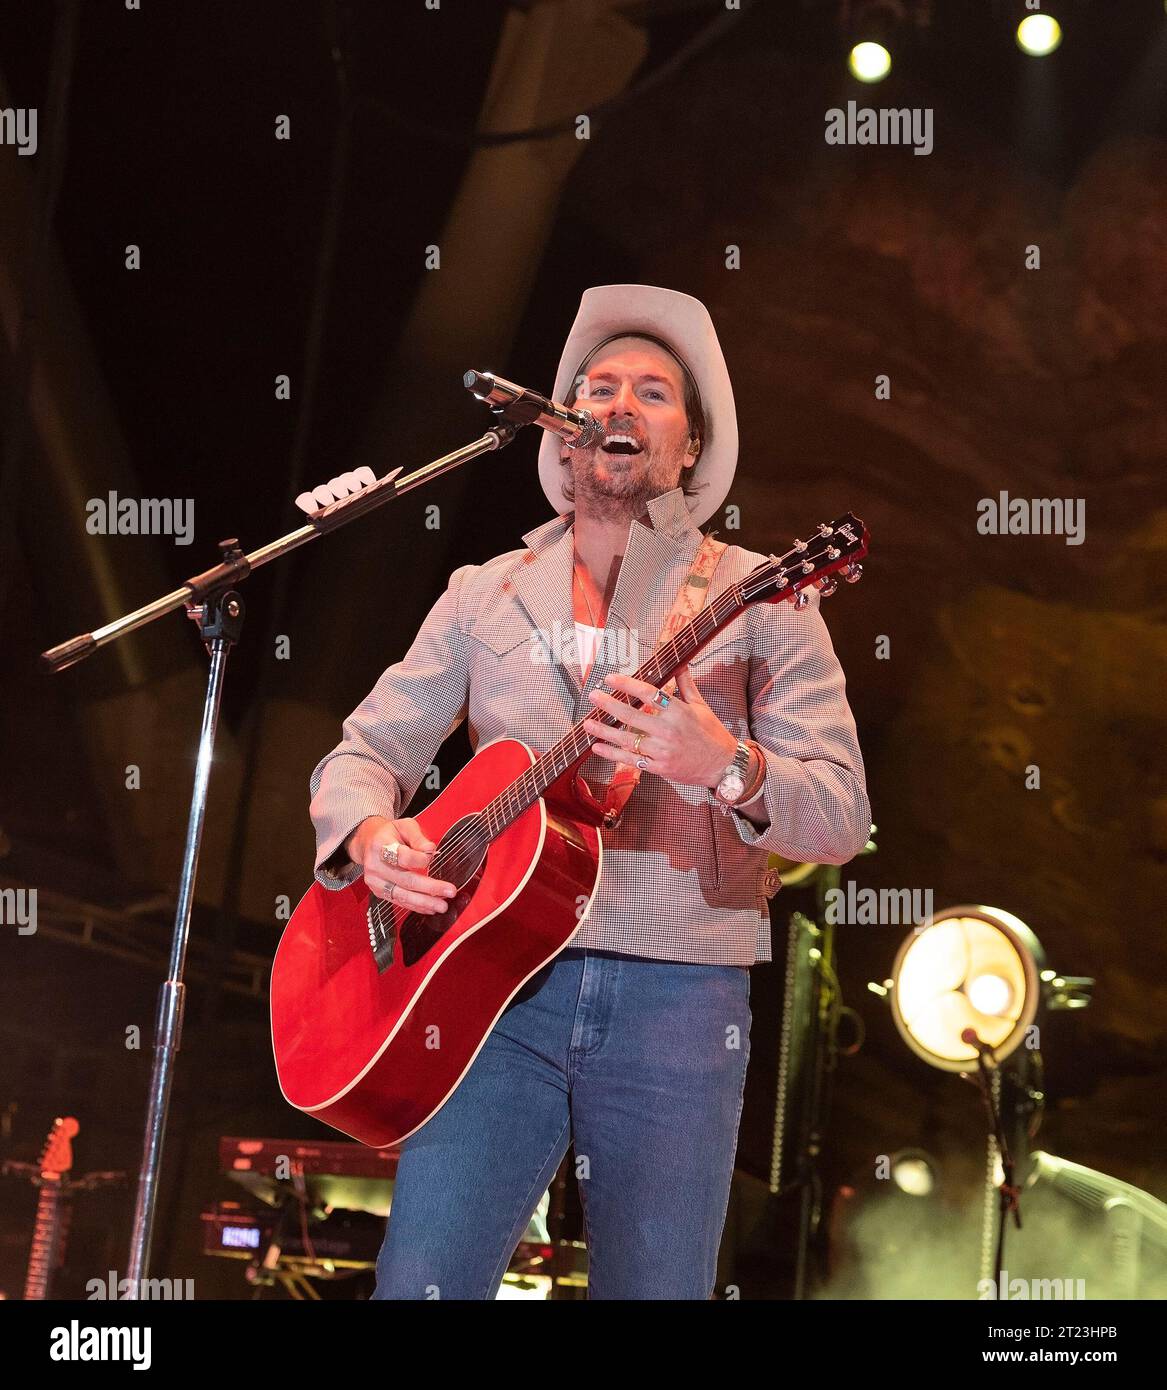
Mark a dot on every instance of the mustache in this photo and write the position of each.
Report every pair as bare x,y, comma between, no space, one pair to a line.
634,431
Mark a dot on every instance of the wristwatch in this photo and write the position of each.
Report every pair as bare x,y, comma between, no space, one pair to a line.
732,786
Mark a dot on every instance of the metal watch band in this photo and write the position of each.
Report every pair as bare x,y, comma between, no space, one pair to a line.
733,781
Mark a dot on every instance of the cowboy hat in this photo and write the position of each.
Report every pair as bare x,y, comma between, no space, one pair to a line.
683,323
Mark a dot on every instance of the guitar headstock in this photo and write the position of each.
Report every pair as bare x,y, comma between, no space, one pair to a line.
831,549
57,1155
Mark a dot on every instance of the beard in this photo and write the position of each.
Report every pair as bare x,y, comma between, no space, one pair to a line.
620,486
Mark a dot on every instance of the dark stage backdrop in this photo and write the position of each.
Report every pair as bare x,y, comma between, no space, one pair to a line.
910,335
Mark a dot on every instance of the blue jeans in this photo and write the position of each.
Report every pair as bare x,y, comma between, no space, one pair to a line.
642,1064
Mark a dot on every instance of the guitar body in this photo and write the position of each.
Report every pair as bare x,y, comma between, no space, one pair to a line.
377,1012
374,1050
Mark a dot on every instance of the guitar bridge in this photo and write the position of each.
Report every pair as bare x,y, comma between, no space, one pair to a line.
382,939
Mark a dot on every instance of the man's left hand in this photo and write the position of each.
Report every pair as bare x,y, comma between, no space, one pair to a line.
684,742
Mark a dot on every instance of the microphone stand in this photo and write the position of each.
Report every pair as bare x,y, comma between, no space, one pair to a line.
211,601
1008,1193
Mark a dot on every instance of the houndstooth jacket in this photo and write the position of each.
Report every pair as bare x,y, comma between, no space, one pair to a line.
681,881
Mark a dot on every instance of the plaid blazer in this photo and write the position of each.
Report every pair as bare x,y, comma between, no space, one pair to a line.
681,880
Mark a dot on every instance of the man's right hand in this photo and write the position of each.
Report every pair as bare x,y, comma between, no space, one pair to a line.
412,888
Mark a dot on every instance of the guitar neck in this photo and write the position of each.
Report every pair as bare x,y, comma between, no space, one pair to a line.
43,1251
575,745
832,548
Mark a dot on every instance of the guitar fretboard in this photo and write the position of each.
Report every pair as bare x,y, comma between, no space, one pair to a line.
780,577
530,785
42,1252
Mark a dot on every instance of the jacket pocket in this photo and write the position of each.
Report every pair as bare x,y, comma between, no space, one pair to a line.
501,635
714,815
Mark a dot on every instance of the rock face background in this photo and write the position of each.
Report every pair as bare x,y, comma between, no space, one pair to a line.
1003,652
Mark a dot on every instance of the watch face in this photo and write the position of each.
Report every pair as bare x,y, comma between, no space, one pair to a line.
731,787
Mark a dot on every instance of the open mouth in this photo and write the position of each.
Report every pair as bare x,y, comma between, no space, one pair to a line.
621,444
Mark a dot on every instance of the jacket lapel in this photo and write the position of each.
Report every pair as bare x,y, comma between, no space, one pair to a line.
543,583
651,572
655,562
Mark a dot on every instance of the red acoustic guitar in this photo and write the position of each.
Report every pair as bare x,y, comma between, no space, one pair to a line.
377,1012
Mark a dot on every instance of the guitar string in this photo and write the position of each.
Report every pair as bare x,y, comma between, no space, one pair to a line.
512,801
508,804
568,750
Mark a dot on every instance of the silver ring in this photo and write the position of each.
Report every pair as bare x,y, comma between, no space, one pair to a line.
392,890
641,763
661,699
389,854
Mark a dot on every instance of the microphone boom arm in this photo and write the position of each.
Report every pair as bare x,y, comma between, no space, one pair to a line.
236,566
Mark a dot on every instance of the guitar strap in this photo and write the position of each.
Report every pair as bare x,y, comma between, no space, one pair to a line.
689,601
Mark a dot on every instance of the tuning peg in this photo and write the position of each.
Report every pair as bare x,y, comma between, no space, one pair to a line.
827,586
853,572
801,599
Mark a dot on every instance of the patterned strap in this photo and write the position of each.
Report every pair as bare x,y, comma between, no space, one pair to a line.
689,601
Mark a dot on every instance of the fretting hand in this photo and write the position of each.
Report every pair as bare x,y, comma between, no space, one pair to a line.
684,741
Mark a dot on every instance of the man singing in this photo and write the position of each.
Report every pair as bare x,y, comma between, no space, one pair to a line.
632,1044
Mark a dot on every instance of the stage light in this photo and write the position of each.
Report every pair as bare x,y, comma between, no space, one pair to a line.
978,968
973,967
969,994
990,994
869,62
913,1172
1038,34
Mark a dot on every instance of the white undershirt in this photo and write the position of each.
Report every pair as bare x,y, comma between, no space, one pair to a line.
587,640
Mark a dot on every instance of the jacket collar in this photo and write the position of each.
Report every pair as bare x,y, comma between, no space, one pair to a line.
655,562
667,513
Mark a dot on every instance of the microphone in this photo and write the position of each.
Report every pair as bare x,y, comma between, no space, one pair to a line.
577,428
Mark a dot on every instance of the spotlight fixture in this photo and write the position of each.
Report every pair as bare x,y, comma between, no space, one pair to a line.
1038,35
914,1172
975,968
869,62
871,27
967,993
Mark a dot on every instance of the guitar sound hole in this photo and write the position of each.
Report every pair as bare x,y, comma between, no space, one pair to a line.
419,932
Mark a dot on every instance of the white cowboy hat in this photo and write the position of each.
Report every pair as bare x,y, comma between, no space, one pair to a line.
609,311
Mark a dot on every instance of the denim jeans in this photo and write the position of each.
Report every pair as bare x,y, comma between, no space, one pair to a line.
642,1064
